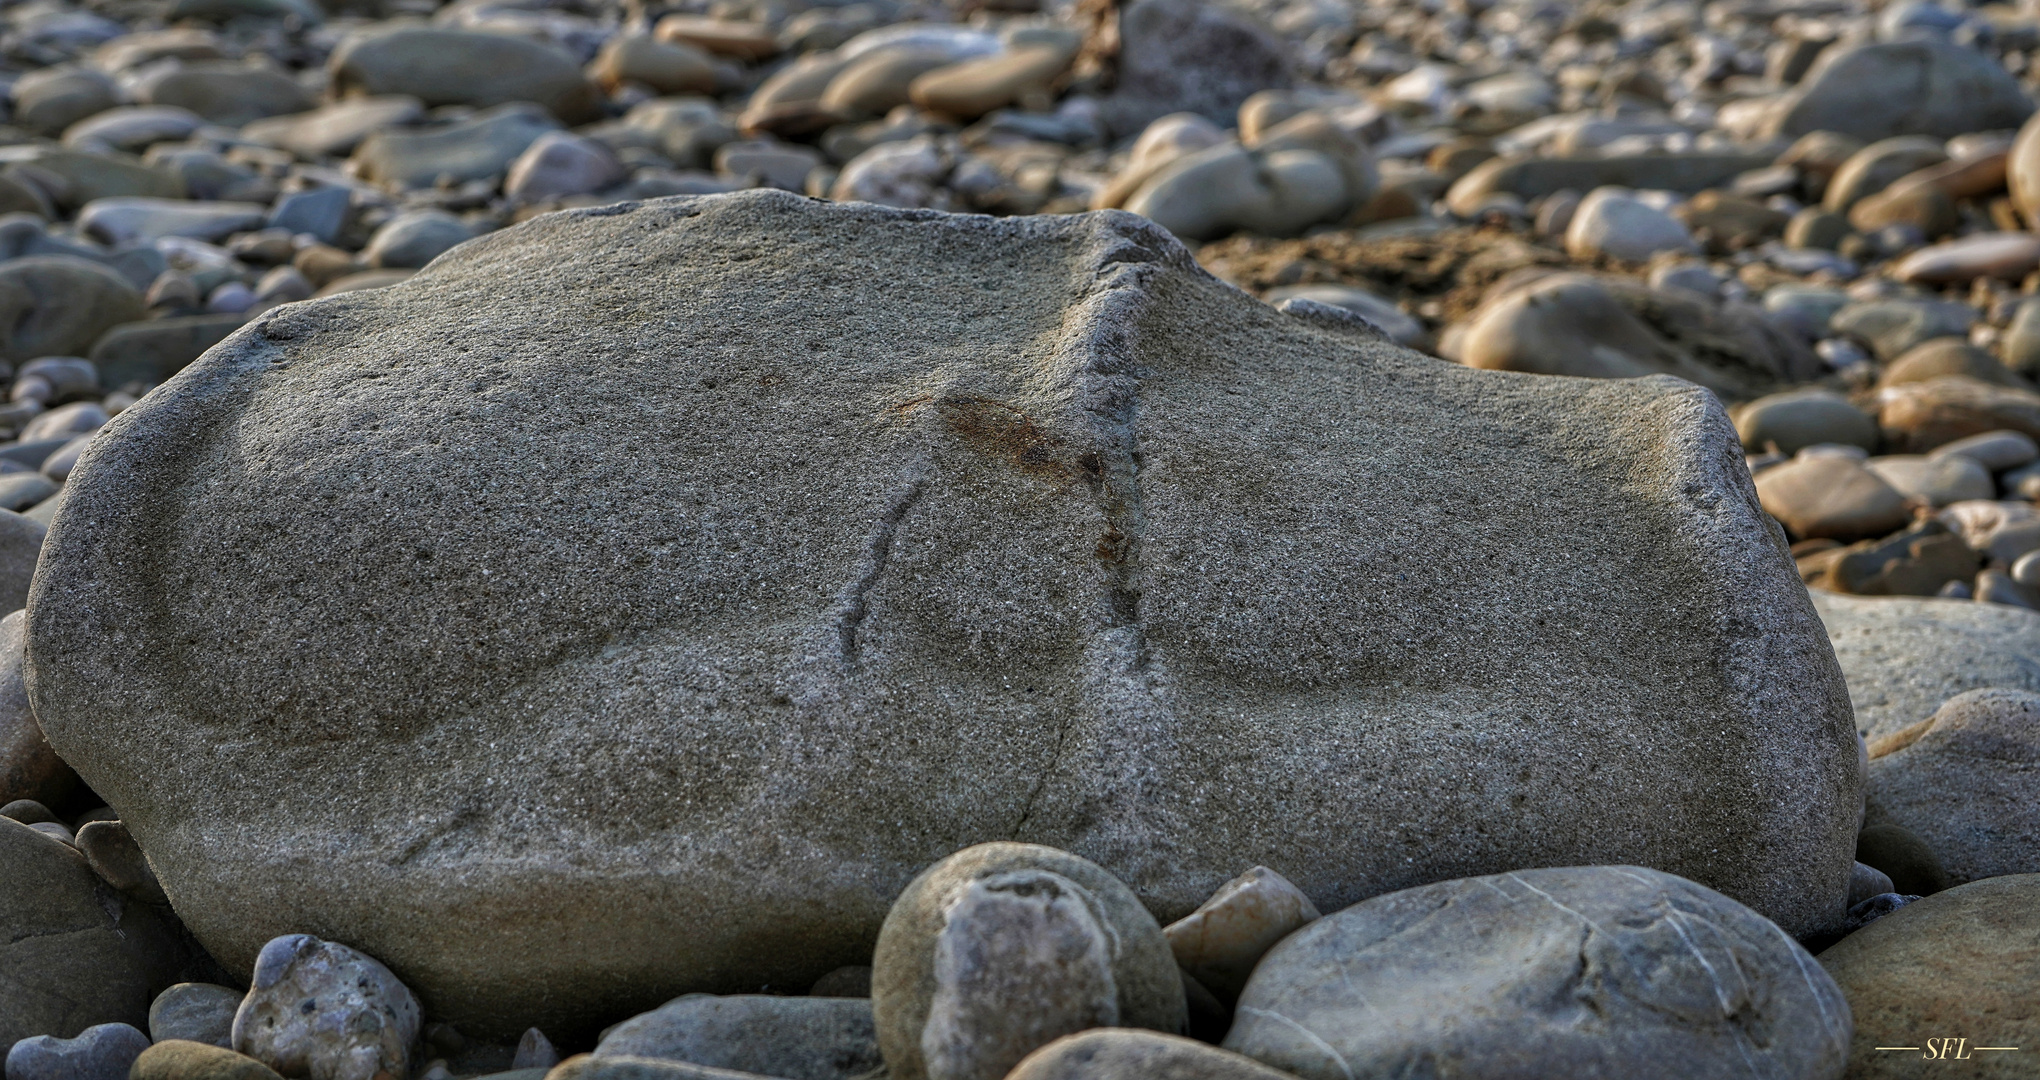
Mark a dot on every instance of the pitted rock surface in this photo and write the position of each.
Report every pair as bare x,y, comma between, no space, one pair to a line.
634,600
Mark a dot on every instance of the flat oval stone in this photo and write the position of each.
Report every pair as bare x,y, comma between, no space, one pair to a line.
2005,256
1576,971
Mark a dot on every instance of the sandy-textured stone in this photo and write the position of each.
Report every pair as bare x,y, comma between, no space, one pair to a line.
1966,781
796,1038
179,1059
1123,1054
1220,942
1575,971
1002,948
974,618
1961,964
1903,658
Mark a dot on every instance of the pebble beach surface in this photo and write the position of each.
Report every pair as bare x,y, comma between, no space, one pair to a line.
977,539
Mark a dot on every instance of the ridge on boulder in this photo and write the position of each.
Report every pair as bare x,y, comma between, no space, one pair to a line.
635,600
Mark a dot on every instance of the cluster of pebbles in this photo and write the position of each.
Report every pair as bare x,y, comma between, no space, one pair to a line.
1021,961
1821,210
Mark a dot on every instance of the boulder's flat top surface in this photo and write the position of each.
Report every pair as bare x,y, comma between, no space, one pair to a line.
634,600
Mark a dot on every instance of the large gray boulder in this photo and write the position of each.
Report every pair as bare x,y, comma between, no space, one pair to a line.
635,600
1903,657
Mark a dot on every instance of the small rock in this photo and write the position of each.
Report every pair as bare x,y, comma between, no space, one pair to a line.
1002,948
116,857
2000,255
669,67
1815,228
1576,324
478,148
1960,961
195,1012
2020,344
27,811
748,41
456,67
853,980
1902,856
973,88
535,1051
187,1060
1961,781
557,164
320,212
364,1022
903,174
1123,1054
590,1067
58,305
51,99
335,130
1919,561
1995,450
65,422
1190,56
124,222
224,93
1609,222
1873,169
55,831
796,1038
101,1052
1401,327
1828,496
31,774
414,238
1727,222
1220,942
1578,971
1936,481
1922,416
1797,419
1695,277
1886,89
1890,327
1873,909
1866,882
775,164
131,129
